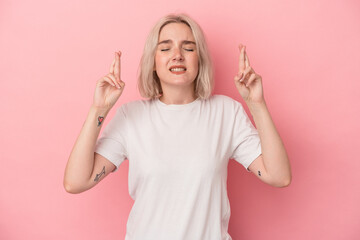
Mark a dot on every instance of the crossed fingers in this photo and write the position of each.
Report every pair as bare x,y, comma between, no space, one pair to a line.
243,61
115,69
246,74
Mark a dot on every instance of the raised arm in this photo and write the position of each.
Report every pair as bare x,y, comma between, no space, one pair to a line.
85,168
272,166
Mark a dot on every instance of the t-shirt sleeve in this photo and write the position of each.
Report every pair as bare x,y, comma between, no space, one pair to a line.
112,143
246,143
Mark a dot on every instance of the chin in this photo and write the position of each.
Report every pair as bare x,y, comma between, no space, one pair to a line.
179,83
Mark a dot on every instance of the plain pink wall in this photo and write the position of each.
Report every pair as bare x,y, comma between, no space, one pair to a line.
307,52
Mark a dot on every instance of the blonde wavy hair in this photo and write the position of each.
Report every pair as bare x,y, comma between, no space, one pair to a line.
148,81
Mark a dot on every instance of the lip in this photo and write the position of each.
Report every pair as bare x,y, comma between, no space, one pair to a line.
177,66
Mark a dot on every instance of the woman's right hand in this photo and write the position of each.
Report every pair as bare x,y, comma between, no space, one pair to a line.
110,87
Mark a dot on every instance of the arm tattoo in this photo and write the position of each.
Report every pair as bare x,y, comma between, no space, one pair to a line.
259,173
100,120
99,174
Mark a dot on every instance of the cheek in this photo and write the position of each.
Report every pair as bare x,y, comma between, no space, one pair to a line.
196,63
159,62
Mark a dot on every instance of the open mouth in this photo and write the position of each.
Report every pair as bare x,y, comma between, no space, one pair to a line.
177,69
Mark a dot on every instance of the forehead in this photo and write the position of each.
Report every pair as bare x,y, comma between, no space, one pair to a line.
176,31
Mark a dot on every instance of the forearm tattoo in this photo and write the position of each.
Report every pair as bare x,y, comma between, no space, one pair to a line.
100,120
99,174
259,173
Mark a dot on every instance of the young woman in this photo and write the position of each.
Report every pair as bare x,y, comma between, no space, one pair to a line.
179,141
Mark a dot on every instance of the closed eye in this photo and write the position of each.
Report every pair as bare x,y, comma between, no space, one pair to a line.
186,49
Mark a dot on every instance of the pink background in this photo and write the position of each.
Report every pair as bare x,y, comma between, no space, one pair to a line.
53,52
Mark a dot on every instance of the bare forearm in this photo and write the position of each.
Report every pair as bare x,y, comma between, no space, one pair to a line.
276,161
81,161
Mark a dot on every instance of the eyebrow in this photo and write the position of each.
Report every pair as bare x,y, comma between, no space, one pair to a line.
170,41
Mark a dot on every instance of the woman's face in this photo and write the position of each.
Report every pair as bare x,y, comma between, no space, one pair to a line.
176,59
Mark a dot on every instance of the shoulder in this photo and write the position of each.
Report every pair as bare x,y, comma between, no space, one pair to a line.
139,103
222,98
134,106
225,101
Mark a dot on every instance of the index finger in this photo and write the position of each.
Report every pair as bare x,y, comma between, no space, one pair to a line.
242,65
117,68
112,66
247,62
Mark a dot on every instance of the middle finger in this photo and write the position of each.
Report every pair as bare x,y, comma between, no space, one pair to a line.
117,67
242,58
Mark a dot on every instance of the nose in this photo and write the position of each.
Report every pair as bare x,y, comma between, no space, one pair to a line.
178,55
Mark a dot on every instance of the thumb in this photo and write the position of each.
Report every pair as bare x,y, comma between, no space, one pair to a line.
238,76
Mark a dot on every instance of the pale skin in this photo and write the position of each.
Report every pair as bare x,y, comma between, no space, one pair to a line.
176,47
272,166
85,168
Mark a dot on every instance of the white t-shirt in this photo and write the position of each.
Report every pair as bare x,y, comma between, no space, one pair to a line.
178,157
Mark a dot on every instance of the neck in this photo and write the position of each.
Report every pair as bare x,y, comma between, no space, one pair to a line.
178,95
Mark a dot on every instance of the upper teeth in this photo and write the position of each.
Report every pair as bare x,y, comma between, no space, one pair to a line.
177,69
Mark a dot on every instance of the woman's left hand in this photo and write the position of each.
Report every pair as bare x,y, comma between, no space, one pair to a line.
248,83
